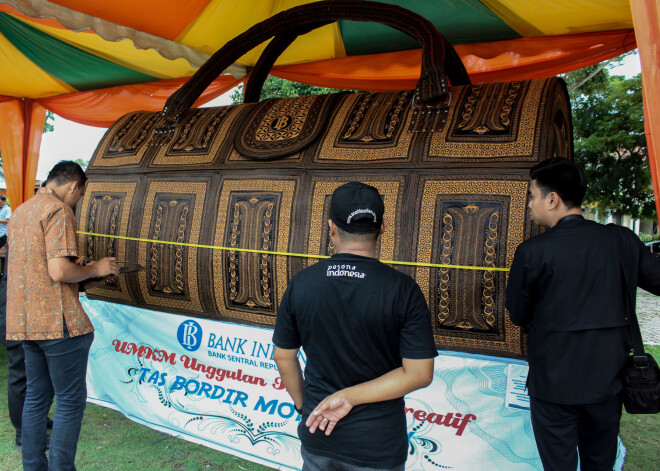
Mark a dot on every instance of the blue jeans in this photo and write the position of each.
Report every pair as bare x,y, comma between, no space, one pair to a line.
312,462
54,368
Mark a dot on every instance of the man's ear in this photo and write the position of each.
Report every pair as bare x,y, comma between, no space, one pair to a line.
553,200
383,226
333,228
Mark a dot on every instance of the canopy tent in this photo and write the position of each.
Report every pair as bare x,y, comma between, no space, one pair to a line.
92,62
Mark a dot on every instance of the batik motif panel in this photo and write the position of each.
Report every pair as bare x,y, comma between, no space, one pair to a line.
254,215
198,138
125,143
105,210
369,127
172,214
493,122
468,224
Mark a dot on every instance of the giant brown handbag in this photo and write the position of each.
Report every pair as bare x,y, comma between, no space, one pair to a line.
451,163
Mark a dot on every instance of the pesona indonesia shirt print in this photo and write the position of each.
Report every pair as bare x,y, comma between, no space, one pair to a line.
42,228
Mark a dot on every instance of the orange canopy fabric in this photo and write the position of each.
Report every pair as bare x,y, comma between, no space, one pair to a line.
517,59
22,124
646,16
103,107
134,44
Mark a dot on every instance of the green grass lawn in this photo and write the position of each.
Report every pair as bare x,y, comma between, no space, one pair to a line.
108,440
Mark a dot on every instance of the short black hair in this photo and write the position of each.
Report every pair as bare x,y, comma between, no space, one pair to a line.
562,176
67,171
346,236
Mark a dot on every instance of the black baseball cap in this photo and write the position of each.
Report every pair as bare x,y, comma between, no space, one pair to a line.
357,208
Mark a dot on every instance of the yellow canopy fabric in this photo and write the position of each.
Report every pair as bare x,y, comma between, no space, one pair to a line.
52,50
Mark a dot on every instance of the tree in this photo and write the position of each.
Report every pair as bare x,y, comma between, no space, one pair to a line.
275,87
49,123
608,131
83,163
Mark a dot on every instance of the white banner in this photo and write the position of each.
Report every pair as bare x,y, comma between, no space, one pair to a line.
215,383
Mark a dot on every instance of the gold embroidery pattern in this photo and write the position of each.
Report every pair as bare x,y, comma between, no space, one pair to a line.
155,262
91,223
490,114
369,127
251,226
166,260
103,214
249,287
173,212
197,131
124,144
285,119
199,140
377,118
443,274
465,326
488,278
279,128
467,226
107,204
508,133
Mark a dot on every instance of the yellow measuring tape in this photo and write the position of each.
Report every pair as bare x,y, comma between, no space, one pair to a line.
288,254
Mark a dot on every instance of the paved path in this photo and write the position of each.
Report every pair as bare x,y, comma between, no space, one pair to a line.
648,313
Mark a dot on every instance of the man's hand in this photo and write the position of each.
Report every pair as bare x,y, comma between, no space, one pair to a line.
104,267
330,411
63,270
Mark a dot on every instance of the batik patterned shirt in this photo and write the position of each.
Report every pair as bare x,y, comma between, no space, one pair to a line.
42,228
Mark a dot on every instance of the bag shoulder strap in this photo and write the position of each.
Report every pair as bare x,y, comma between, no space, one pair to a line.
635,332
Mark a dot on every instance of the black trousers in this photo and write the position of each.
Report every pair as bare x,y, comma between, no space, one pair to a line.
564,431
17,380
16,383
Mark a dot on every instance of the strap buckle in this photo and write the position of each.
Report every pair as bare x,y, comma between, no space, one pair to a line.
640,361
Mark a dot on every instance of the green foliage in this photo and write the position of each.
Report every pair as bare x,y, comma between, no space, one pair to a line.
608,127
49,125
83,163
275,87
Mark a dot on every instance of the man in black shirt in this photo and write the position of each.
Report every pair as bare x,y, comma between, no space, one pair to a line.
366,331
572,288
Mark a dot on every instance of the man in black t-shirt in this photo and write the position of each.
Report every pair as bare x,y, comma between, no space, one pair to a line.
366,331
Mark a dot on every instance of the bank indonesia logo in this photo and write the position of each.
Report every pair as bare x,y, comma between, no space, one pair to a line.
189,335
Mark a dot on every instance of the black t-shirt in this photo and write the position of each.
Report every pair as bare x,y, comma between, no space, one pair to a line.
355,319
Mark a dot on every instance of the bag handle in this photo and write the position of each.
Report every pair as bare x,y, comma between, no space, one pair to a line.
453,66
432,88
